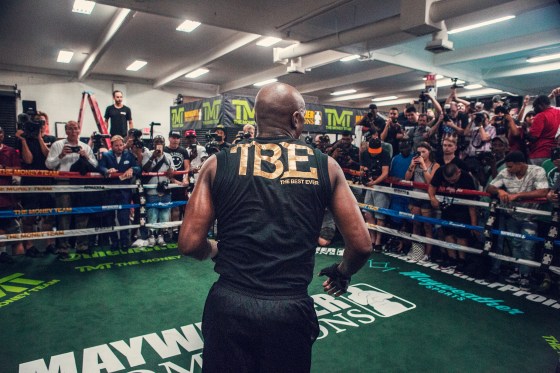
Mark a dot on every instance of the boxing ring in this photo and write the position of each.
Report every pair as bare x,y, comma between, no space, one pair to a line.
139,310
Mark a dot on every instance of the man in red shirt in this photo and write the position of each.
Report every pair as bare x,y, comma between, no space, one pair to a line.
544,130
9,159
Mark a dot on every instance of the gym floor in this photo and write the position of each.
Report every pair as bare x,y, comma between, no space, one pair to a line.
140,311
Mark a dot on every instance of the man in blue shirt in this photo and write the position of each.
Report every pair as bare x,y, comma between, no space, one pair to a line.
119,160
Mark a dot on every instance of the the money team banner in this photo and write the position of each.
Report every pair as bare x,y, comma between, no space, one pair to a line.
236,111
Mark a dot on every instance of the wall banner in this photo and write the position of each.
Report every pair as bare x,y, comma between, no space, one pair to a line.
237,111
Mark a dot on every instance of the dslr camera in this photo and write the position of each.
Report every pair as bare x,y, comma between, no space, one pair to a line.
136,136
162,187
478,119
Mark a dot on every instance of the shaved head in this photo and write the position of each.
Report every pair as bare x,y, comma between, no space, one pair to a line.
279,110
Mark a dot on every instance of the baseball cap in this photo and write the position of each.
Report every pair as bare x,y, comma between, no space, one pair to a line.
220,127
503,139
374,146
189,133
373,106
175,134
496,98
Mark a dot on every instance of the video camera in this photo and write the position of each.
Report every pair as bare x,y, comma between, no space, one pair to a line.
97,141
31,128
212,145
423,97
455,85
242,136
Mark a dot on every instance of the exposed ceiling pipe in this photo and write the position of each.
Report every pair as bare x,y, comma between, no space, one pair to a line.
227,46
445,9
119,19
391,27
384,27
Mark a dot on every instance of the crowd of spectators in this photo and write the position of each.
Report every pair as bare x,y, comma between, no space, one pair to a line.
510,153
122,165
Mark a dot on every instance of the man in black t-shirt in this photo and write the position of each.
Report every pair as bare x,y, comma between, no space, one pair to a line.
33,152
269,197
181,162
375,162
452,176
120,115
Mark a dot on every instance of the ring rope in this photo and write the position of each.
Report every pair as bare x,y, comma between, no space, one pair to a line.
449,245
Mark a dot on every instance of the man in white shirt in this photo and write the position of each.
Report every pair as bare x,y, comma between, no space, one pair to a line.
66,155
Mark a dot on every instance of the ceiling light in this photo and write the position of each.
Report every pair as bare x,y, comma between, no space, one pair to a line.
83,6
350,58
64,56
345,92
544,58
473,86
477,25
480,92
265,82
136,65
384,98
395,102
268,41
196,73
188,26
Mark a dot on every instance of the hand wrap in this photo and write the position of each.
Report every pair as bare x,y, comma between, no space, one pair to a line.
339,282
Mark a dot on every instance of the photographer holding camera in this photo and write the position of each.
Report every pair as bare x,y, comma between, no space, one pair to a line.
372,120
375,163
247,134
197,152
33,146
157,161
480,133
66,155
393,132
346,154
451,176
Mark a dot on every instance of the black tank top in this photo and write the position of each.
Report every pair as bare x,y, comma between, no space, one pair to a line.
269,198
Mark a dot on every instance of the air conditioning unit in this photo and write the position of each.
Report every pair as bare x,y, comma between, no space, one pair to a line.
439,46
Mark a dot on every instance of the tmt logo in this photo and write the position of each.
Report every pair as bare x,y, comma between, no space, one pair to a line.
336,121
244,113
177,117
211,112
15,287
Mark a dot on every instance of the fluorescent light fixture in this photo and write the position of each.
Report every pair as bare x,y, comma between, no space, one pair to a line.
83,6
188,26
268,41
386,98
543,58
481,24
64,56
395,102
196,73
345,92
481,92
473,86
265,82
350,58
136,65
